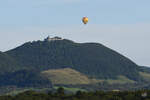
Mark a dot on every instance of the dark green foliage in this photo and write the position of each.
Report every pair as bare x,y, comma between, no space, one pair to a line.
61,91
24,78
98,95
6,98
7,63
144,69
92,59
12,74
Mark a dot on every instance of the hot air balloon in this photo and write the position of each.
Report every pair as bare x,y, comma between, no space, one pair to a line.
85,20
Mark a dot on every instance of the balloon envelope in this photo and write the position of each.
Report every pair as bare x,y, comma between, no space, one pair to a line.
85,20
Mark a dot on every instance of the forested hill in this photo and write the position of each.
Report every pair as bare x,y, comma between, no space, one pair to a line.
92,59
7,63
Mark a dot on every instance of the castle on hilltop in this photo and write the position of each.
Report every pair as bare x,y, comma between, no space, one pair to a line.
53,39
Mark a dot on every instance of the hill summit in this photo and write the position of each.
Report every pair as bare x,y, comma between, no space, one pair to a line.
92,59
53,39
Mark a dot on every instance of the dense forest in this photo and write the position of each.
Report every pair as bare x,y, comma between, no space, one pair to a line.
79,95
7,63
24,78
92,59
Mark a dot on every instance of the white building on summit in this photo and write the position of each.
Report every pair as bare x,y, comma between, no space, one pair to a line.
53,39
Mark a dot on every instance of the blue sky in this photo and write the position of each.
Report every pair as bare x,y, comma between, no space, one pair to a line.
123,25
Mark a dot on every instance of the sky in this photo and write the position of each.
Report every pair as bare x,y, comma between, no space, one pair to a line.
122,25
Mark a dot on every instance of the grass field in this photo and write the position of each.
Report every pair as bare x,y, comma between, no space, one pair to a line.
145,75
120,80
68,76
21,90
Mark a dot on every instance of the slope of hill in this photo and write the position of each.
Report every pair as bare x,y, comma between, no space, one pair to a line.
67,76
92,59
24,78
7,64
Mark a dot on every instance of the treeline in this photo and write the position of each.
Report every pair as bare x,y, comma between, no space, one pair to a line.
24,78
79,95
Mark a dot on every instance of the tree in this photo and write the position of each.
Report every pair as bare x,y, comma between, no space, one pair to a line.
61,91
78,94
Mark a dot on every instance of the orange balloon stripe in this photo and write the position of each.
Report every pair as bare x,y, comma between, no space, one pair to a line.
85,20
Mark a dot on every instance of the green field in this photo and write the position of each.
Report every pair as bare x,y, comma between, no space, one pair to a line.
67,76
120,80
21,90
70,89
145,75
